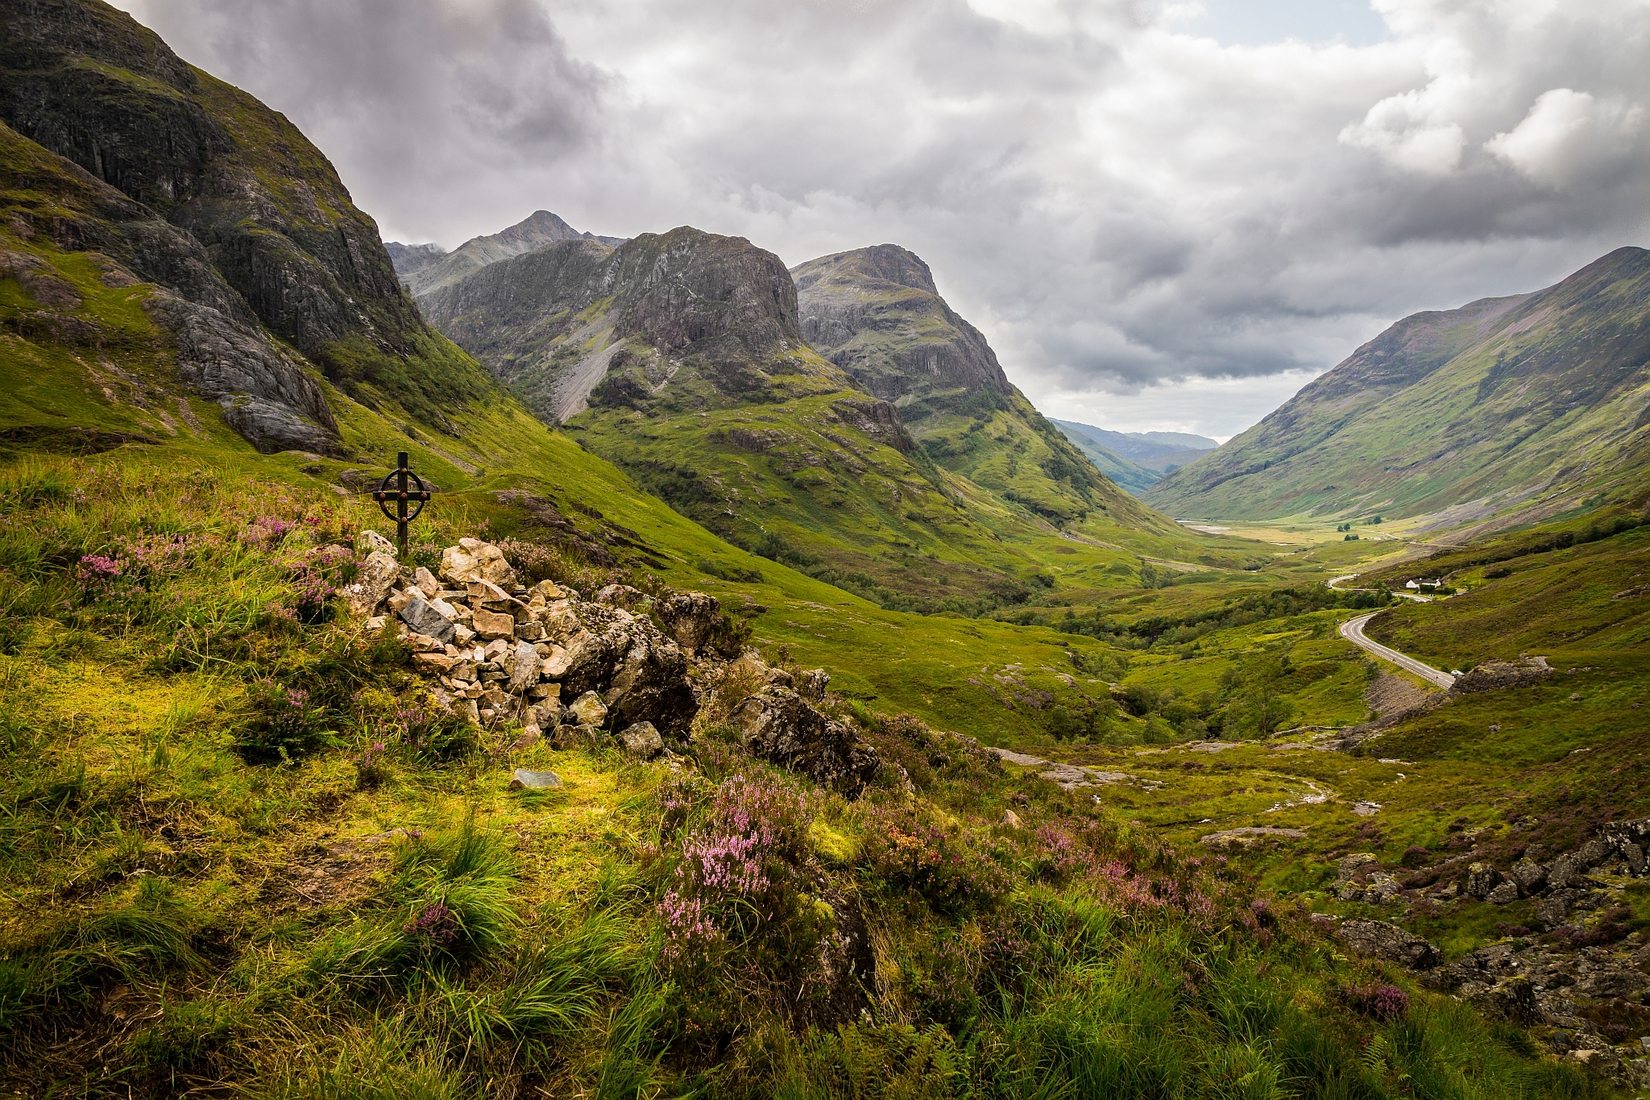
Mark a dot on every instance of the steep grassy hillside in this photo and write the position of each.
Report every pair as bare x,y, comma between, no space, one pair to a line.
1506,410
876,313
376,912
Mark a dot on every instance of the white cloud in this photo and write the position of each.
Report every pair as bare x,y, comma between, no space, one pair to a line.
1570,135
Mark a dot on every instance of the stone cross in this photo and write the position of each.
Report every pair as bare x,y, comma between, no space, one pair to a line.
394,488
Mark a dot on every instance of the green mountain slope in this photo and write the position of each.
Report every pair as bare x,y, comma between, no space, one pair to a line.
876,313
680,356
195,188
1505,410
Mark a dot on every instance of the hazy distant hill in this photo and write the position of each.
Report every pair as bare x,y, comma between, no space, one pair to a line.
1515,408
423,274
1136,460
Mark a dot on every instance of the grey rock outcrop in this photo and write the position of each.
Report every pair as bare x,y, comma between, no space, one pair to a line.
501,653
373,581
1383,940
778,725
1496,675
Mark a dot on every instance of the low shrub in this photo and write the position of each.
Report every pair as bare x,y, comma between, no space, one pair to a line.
286,724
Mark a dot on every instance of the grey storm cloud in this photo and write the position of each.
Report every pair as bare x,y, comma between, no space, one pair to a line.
1152,227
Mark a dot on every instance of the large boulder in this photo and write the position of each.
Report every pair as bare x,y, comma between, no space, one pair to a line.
372,583
693,619
474,560
1494,675
641,675
1381,940
642,740
1631,841
778,725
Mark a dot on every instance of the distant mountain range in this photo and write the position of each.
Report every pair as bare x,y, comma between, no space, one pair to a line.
847,419
1504,411
1136,460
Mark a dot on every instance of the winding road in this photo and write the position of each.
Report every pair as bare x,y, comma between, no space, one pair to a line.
1353,631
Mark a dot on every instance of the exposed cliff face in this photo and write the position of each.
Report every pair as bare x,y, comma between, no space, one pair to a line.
577,323
55,212
259,232
876,313
1505,409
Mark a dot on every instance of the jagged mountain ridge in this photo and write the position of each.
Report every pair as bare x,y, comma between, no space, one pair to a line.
682,357
540,228
181,182
877,313
1504,410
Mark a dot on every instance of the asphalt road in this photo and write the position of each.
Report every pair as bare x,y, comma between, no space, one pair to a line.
1353,631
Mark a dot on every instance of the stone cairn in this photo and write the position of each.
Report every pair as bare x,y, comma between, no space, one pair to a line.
620,664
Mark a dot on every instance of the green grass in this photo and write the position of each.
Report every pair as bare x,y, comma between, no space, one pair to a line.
204,922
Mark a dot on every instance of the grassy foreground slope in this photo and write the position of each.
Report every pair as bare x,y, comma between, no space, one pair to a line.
383,916
1506,410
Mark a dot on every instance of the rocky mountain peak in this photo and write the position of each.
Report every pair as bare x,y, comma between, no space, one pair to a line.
878,263
876,313
686,286
540,229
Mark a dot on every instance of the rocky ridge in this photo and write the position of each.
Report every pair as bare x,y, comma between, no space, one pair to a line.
117,150
620,667
663,319
1570,965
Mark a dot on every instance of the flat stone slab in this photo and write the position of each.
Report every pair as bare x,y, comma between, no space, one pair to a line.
1249,836
526,779
1072,776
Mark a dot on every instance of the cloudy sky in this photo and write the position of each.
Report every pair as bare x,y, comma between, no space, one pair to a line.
1163,213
